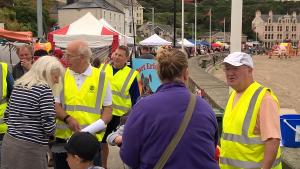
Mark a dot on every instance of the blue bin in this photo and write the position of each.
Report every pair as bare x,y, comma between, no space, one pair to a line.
288,125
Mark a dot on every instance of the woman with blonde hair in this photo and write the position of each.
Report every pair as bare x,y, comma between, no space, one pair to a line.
155,119
30,116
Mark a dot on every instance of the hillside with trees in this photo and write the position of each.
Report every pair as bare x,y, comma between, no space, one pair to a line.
220,9
20,15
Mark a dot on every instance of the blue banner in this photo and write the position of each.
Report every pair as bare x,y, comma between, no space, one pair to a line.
149,78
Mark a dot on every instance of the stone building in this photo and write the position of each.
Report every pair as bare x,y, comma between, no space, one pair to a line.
272,29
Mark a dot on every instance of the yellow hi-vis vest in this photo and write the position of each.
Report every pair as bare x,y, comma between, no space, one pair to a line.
120,85
107,68
84,104
240,147
3,94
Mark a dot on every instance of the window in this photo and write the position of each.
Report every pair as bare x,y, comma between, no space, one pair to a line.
272,36
269,20
266,36
277,36
266,28
114,16
109,16
269,28
280,28
287,28
103,14
279,20
287,36
269,36
272,28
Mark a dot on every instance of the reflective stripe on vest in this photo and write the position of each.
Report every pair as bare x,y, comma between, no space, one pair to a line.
104,67
64,126
126,109
97,109
125,84
246,164
1,121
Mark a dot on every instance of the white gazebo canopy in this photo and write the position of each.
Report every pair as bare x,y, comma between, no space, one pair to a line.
154,40
186,43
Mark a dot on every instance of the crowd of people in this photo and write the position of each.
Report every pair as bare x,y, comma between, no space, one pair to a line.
77,111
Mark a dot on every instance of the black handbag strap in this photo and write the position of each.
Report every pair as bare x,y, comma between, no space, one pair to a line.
176,138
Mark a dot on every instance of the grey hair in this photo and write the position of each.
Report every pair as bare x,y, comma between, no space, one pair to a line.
26,46
85,51
41,73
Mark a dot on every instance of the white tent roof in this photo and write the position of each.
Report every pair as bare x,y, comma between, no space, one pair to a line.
186,43
97,33
154,40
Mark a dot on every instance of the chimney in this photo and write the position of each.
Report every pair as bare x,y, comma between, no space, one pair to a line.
258,13
271,13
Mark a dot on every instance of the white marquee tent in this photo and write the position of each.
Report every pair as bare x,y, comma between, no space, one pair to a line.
97,33
154,40
186,43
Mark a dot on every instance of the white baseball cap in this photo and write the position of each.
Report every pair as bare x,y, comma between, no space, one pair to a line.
239,59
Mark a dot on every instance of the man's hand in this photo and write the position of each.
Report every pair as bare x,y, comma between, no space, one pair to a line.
26,64
73,124
61,114
118,140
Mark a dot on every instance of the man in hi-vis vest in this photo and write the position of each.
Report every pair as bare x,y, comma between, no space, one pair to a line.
6,87
251,130
85,99
125,92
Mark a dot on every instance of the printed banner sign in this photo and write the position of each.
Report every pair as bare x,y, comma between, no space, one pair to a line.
149,78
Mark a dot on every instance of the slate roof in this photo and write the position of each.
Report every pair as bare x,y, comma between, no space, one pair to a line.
276,17
94,4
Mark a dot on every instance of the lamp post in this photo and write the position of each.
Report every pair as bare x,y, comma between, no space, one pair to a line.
174,26
152,21
182,23
39,11
152,10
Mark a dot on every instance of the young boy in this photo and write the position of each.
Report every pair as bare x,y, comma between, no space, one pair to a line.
82,148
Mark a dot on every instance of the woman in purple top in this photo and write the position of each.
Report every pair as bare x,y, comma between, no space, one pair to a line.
155,119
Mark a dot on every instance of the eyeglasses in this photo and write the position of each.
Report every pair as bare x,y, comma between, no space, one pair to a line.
69,56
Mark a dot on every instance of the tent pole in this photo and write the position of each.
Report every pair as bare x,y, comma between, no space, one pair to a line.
10,60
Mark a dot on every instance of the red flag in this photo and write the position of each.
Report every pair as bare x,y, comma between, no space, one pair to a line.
222,21
208,13
189,1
